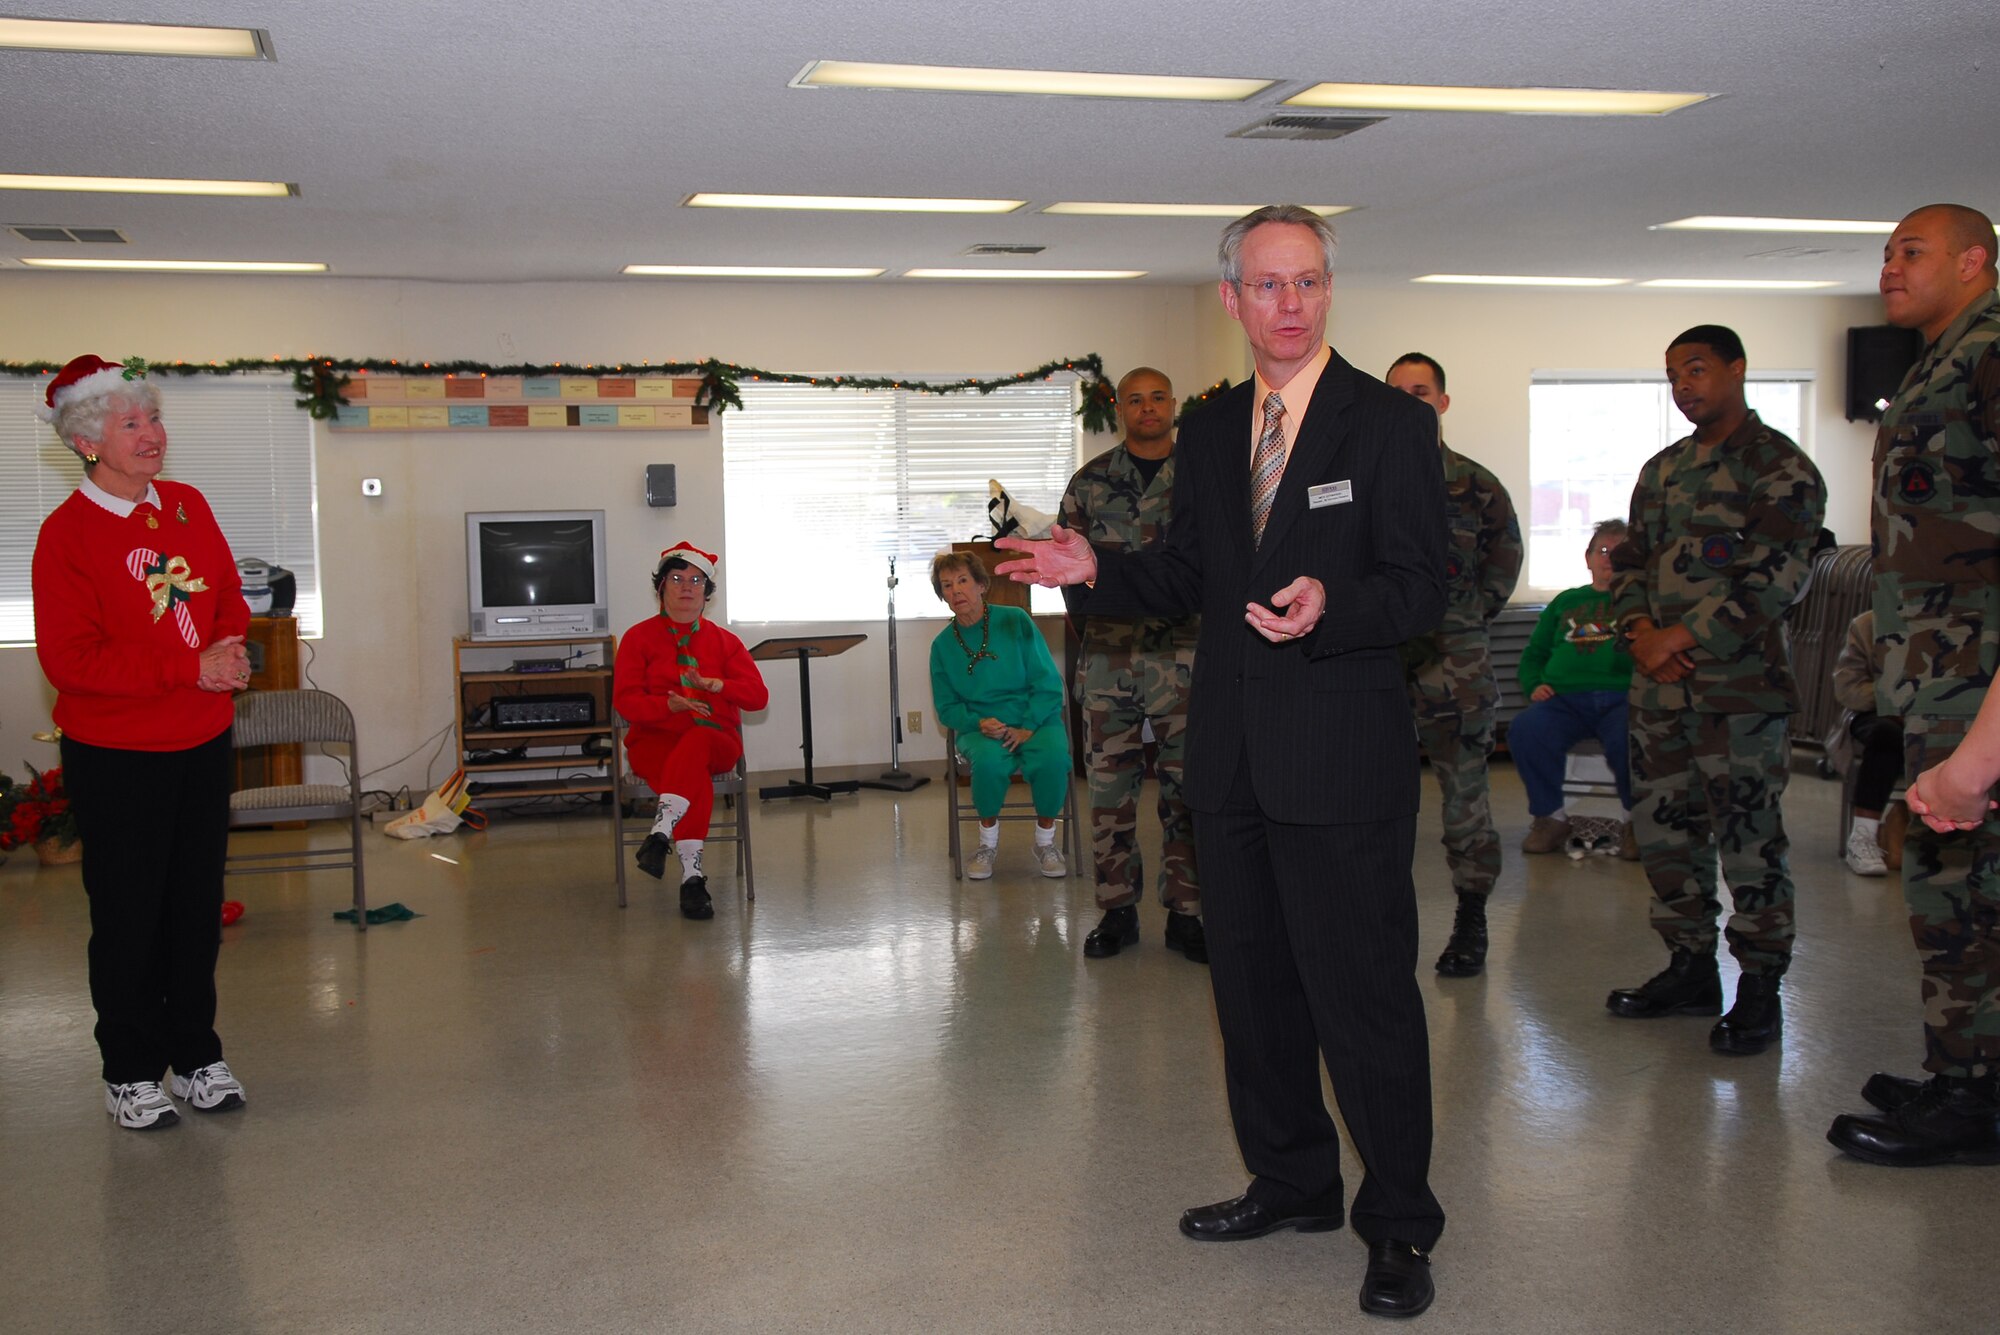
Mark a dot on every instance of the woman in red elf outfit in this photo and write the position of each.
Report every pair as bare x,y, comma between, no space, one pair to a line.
139,624
682,682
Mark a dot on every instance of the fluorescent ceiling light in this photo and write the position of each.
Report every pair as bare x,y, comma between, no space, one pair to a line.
1744,284
1045,83
147,185
1106,210
1709,222
745,271
134,39
708,199
1517,280
1510,101
1025,273
178,266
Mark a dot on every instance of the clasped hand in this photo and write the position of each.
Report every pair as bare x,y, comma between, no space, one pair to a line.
225,665
1662,652
1011,738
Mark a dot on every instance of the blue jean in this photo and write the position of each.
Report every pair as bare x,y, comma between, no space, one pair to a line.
1542,734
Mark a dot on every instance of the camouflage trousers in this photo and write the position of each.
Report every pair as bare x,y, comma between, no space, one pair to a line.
1121,691
1459,745
1706,789
1951,883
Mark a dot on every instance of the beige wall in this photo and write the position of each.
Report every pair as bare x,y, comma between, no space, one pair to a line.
394,566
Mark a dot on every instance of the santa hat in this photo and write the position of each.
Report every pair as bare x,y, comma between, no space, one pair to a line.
694,556
87,377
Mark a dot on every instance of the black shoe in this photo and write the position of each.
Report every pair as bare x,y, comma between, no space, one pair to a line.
1688,985
653,854
1465,954
1241,1218
1951,1120
1117,929
1890,1092
1185,934
695,902
1754,1022
1398,1282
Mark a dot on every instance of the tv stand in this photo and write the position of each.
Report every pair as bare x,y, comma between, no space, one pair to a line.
567,766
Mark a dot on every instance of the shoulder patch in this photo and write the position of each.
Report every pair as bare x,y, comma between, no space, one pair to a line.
1717,551
1918,483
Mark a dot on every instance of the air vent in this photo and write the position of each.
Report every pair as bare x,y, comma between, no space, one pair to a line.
87,235
1292,126
1003,248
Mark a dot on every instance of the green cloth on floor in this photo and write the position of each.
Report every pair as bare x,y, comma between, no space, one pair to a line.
387,913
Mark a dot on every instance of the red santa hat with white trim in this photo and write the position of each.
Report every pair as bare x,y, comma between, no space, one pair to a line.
694,556
87,377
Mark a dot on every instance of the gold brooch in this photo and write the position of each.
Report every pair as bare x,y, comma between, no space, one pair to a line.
152,521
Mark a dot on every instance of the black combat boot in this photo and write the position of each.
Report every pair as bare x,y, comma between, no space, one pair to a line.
1754,1022
1951,1120
1890,1092
1186,934
1688,985
1117,929
1465,954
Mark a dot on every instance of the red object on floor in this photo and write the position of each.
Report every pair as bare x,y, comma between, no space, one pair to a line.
231,911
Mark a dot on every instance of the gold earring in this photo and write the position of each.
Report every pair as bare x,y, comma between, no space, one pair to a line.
90,458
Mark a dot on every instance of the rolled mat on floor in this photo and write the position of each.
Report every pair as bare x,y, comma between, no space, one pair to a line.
387,913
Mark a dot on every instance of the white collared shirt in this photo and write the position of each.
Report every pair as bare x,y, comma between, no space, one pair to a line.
118,505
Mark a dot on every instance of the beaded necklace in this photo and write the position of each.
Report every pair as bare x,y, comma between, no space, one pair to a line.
985,632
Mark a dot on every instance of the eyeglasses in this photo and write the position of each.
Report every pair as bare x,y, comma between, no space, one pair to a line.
1307,286
686,581
1604,550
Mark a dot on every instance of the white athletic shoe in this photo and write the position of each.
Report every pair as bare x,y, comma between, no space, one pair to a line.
979,866
140,1106
209,1088
1050,859
1864,858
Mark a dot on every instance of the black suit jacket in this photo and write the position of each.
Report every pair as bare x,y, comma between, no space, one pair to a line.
1324,721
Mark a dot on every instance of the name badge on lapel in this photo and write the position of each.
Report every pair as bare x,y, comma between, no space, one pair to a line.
1329,493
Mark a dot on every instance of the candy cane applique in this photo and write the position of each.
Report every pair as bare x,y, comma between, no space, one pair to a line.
172,584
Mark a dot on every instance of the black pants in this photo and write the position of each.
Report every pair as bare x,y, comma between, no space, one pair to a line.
1879,759
1312,946
155,827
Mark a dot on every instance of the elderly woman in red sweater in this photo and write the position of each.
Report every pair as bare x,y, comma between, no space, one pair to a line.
139,623
682,682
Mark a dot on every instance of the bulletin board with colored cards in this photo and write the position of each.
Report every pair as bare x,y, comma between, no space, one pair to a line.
520,403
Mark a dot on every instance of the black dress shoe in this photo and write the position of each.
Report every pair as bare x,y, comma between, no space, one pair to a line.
1242,1218
1185,934
695,902
1465,954
1117,929
1398,1282
653,854
1754,1022
1890,1092
1951,1120
1689,985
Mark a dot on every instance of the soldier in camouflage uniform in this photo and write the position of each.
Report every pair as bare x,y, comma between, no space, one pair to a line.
1136,671
1452,691
1937,627
1723,526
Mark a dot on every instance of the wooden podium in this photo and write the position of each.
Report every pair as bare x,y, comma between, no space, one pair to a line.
805,648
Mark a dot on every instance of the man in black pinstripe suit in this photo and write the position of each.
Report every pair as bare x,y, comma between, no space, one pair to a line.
1309,532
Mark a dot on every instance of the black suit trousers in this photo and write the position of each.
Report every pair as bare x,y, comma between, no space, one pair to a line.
1312,939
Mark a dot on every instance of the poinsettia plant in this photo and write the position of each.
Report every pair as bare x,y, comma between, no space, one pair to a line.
36,812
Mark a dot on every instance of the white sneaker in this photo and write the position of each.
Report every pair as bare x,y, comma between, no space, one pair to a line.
209,1088
1050,859
979,866
1864,858
140,1106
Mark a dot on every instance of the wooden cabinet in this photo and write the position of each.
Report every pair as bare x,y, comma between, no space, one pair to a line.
273,646
554,760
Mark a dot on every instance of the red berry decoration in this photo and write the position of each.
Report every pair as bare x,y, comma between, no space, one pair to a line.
232,910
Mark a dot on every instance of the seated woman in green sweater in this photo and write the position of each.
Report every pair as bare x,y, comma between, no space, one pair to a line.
995,685
1575,673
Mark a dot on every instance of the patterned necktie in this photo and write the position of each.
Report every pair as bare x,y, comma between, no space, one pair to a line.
1268,466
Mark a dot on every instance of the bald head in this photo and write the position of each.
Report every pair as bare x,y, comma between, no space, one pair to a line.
1961,228
1938,263
1146,412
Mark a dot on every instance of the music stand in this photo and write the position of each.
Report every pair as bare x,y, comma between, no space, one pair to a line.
806,648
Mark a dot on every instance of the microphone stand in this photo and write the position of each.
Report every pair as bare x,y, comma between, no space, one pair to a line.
895,778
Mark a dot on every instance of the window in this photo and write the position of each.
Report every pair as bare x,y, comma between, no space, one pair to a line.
239,439
1588,436
822,486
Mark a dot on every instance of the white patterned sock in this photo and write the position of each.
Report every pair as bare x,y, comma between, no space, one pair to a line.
672,807
690,855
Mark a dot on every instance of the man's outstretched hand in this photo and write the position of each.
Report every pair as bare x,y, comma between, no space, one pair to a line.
1063,558
1303,601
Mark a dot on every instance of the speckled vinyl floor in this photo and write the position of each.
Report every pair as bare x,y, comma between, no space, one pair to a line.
883,1100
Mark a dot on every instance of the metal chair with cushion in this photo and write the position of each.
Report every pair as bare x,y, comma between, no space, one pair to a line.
285,718
958,775
729,824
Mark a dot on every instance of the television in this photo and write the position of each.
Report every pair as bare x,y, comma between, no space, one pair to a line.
536,574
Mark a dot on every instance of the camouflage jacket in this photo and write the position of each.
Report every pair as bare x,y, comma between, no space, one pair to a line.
1722,545
1936,528
1450,670
1110,503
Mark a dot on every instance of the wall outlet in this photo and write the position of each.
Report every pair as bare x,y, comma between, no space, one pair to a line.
915,722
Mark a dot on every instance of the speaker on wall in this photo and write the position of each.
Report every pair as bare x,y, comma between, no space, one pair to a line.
1878,357
659,484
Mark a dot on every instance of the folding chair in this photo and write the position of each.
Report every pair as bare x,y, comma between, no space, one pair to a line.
959,775
732,791
279,718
